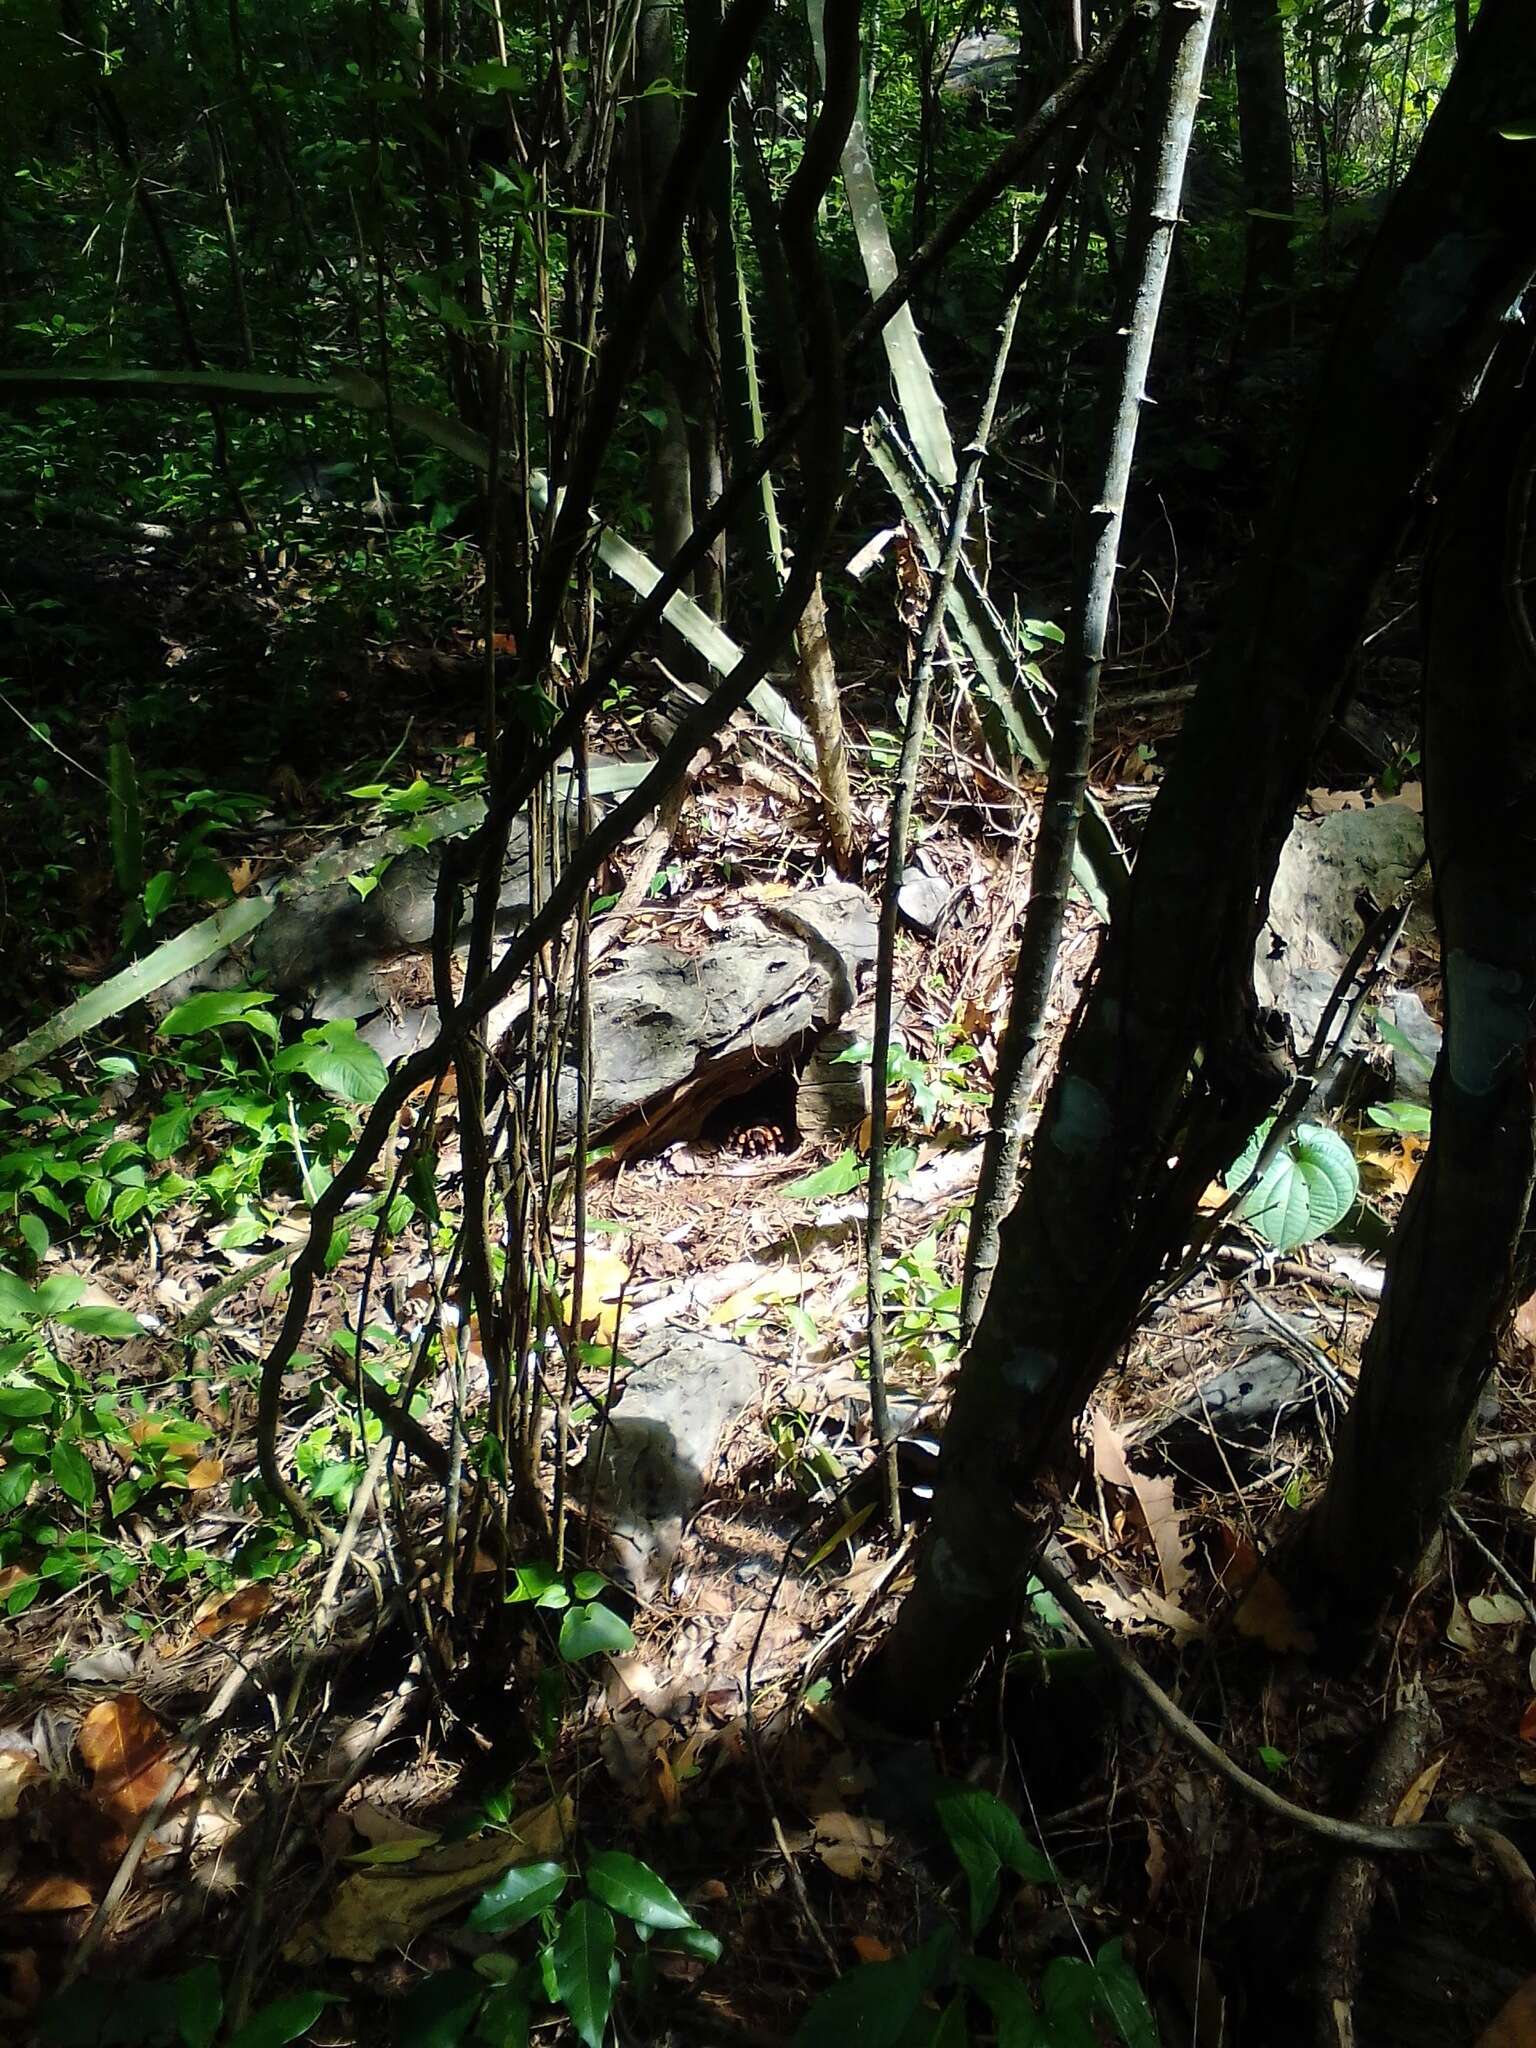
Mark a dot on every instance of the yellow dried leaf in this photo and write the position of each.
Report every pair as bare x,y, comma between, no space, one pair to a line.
1414,1804
205,1473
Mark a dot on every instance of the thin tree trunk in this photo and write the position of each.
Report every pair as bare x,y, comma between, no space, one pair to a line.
1454,1264
1264,140
1168,1068
1181,65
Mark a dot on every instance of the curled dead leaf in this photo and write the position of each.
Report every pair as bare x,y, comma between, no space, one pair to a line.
18,1769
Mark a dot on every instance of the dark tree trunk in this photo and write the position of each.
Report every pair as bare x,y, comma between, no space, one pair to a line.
1453,1270
1264,138
1168,1068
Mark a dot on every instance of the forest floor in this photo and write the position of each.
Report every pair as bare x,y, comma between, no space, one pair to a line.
351,1745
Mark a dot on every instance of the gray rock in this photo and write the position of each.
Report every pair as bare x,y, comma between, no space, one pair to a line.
659,1449
1411,1076
1314,919
923,898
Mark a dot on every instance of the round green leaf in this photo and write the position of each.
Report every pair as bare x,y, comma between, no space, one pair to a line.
518,1897
340,1063
1307,1188
586,1631
199,2006
632,1888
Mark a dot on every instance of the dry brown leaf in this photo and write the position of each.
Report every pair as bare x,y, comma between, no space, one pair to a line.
1414,1804
1460,1630
53,1895
18,1769
126,1751
1389,1164
1157,1864
1154,1497
387,1906
205,1473
15,1575
1528,1723
1268,1617
1514,2025
870,1949
233,1610
847,1843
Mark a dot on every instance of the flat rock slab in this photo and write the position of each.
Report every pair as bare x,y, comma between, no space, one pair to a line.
675,1033
658,1452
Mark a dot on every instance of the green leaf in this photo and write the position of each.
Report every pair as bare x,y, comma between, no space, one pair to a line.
697,1942
588,1630
844,1174
1124,1998
632,1888
581,1962
73,1474
438,2011
18,1302
518,1897
1007,1998
1403,1046
34,1232
158,891
1409,1119
1307,1188
168,1131
199,2006
16,1483
214,1010
541,1584
100,1321
1070,1992
285,2020
59,1291
503,2021
987,1838
22,1404
338,1061
873,2005
951,2031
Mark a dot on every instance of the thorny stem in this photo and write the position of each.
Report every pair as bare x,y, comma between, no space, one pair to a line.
904,795
1186,35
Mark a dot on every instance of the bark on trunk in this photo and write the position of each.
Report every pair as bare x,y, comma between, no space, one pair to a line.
1453,1269
1264,140
1168,1061
1159,189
